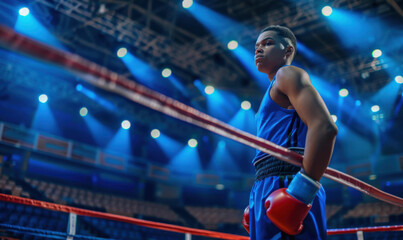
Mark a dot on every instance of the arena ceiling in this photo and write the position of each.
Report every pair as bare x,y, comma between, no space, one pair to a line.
164,34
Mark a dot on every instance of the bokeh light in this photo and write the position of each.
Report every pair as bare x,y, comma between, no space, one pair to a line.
24,11
376,53
43,98
155,133
83,112
245,105
343,92
166,72
232,45
122,52
209,90
126,124
327,11
192,143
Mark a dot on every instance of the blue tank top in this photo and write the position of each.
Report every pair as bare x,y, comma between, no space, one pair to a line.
279,125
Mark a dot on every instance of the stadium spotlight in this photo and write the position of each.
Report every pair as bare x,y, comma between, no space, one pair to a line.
327,11
43,98
166,72
232,45
209,90
122,52
192,143
343,92
399,79
155,133
83,112
376,53
187,3
23,11
375,108
245,105
126,124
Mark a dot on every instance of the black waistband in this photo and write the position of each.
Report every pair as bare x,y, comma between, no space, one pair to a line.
272,166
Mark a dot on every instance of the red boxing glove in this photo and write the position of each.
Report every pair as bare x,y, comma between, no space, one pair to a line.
286,212
245,219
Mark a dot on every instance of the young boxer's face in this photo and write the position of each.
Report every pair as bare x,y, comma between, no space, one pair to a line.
270,52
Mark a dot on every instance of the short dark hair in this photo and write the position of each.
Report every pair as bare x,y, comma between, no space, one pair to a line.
284,32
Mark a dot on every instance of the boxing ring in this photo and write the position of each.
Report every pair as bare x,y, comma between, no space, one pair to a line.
189,233
110,81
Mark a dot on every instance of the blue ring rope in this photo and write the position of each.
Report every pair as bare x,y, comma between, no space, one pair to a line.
46,233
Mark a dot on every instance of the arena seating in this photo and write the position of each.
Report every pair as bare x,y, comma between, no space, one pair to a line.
331,210
64,194
211,218
375,213
8,186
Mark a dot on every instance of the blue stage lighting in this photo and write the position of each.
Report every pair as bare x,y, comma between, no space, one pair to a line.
357,102
187,3
209,90
375,108
192,143
79,87
376,53
218,24
146,74
343,92
232,45
166,72
186,161
178,85
169,146
45,120
83,112
122,52
199,85
126,124
224,29
97,98
327,11
24,11
244,120
399,79
31,27
100,100
101,134
43,98
246,57
222,104
387,97
120,142
246,105
359,32
222,160
155,133
309,54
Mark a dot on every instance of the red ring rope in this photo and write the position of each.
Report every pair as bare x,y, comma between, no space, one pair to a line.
111,81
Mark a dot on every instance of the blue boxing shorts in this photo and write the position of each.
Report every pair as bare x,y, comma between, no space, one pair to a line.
276,176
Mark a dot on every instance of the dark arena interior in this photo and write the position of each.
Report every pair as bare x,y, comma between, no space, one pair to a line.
69,142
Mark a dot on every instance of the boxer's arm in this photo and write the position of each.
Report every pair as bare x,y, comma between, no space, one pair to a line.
321,135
